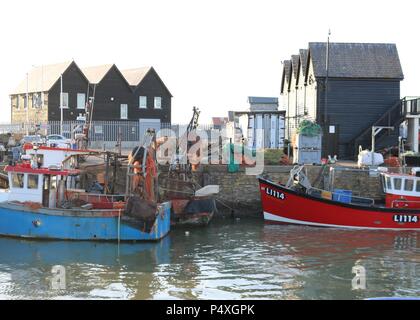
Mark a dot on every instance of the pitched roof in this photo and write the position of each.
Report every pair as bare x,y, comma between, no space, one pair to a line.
97,73
295,64
135,76
287,68
286,74
356,60
303,54
41,79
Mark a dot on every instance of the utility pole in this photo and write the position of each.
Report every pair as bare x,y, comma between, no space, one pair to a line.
27,104
327,64
61,104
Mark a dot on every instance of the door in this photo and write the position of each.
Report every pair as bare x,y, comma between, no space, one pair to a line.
145,124
330,141
46,191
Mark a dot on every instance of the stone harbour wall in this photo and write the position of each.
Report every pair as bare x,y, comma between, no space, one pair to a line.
240,192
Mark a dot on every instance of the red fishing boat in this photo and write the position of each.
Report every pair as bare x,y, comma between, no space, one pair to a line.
298,202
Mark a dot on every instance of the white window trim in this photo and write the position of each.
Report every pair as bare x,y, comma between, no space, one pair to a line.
121,115
77,102
154,105
140,106
68,98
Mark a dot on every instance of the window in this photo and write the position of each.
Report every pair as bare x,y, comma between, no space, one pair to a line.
25,102
32,181
142,102
17,180
397,183
124,111
418,186
408,184
65,100
388,183
81,100
36,100
17,101
158,102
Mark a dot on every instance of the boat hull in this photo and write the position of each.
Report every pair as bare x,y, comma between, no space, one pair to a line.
285,206
98,225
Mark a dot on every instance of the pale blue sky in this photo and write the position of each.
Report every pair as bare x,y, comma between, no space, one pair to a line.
211,54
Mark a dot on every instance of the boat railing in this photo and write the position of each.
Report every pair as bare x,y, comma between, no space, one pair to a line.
93,197
364,201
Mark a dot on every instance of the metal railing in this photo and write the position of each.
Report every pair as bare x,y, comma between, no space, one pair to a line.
353,199
91,197
99,130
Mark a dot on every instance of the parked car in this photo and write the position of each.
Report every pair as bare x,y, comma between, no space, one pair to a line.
36,139
58,140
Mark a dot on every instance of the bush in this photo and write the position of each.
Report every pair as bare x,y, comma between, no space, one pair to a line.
272,156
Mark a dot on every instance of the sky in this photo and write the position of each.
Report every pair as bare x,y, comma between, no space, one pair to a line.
210,54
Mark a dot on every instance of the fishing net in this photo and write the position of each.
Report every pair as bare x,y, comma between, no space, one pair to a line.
309,128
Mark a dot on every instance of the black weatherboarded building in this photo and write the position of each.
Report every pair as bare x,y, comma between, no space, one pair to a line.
361,85
135,94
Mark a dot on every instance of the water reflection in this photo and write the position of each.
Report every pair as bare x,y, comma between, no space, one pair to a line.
229,260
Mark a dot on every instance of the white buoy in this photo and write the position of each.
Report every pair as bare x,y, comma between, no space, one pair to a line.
187,233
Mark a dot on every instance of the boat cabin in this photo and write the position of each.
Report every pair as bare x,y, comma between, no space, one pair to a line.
37,185
51,156
401,190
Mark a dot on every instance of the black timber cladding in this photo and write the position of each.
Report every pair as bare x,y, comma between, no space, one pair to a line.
111,91
74,82
355,104
363,84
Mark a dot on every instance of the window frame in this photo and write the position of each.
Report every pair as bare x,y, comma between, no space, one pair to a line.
406,182
37,181
65,94
17,174
79,94
155,103
140,104
394,180
126,111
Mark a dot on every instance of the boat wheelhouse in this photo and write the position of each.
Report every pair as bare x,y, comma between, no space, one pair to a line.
401,190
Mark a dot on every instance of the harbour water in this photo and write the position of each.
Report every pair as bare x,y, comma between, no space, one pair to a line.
231,259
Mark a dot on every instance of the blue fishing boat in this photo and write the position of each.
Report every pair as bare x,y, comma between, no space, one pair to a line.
39,204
